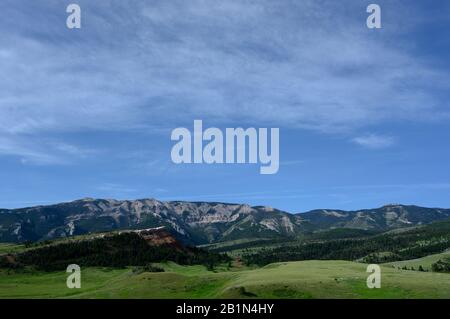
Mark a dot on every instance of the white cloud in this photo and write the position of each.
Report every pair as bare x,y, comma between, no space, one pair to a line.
374,141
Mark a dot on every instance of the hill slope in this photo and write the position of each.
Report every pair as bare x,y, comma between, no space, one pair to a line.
426,262
399,244
125,248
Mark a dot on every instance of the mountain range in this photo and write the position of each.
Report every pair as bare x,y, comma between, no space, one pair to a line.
199,222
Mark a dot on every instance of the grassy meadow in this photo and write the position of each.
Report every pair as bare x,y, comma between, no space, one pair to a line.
303,279
6,248
425,262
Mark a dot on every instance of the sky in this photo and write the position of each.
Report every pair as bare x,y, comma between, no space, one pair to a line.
363,113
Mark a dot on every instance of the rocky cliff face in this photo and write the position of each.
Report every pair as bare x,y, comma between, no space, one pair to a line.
197,222
158,236
383,218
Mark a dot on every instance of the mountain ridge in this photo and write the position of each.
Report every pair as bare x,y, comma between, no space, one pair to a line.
199,222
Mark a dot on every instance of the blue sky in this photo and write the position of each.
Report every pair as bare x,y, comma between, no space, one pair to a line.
363,114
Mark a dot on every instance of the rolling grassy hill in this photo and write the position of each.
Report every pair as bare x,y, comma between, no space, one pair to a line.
425,262
305,279
11,248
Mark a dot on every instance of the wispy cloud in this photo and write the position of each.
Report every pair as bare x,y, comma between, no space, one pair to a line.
185,58
374,141
294,64
41,151
26,153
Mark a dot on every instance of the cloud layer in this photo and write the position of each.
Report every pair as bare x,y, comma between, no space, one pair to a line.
140,65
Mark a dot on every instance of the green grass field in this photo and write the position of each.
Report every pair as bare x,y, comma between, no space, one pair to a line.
303,279
425,262
11,248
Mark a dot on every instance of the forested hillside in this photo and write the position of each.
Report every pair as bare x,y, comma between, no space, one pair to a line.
117,250
393,245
